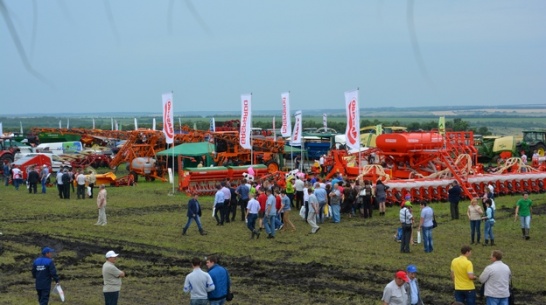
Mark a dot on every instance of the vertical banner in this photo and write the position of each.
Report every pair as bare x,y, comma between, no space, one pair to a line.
112,122
136,124
168,126
286,126
93,123
180,125
153,124
442,126
246,121
67,123
325,121
296,136
60,124
21,125
352,133
1,130
274,131
212,126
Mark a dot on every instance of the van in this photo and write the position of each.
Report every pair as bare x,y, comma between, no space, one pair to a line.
59,148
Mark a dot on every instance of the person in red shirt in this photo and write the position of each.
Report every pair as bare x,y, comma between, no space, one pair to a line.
262,198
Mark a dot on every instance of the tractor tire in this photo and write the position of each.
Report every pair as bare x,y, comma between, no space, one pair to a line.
6,156
272,167
135,175
540,148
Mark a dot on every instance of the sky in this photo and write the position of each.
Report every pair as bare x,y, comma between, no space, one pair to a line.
121,55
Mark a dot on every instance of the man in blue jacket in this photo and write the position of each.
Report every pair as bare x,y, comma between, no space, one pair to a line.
220,278
43,270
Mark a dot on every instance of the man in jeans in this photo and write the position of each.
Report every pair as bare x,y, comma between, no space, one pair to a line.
462,274
270,214
425,226
496,278
322,198
406,221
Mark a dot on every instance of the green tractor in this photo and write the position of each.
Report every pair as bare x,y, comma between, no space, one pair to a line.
491,148
533,140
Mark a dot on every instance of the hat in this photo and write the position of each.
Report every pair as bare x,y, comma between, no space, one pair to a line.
402,275
408,204
411,269
46,250
111,254
45,165
407,197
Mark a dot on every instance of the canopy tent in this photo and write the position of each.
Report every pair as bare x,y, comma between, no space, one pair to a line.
189,149
199,149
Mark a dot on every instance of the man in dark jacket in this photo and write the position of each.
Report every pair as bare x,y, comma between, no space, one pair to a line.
194,213
454,196
33,179
43,270
220,278
66,184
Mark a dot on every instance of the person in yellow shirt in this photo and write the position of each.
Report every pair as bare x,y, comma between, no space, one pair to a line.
462,274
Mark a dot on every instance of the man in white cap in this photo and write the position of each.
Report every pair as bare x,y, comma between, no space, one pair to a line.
112,279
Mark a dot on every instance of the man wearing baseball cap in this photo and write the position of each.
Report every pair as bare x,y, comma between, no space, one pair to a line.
112,279
43,270
413,286
396,292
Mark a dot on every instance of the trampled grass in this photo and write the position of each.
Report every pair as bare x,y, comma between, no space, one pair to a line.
346,263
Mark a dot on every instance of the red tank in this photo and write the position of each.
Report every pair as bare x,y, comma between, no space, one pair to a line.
404,142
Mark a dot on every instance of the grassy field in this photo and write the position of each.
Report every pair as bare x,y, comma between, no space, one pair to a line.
346,263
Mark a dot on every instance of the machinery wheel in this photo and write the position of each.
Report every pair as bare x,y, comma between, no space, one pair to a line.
135,175
272,167
6,156
541,149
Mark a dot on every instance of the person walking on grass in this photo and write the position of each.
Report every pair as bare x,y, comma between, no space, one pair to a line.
474,214
252,210
454,196
426,226
221,280
112,279
524,211
270,214
406,222
44,174
489,220
286,211
219,201
101,205
314,209
194,213
198,284
462,275
43,270
496,278
396,292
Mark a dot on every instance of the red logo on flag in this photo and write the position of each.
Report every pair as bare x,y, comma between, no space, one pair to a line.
167,123
352,133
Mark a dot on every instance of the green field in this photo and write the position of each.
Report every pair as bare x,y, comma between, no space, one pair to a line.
346,263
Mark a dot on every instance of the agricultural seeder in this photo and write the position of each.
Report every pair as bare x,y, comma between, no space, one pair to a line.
424,164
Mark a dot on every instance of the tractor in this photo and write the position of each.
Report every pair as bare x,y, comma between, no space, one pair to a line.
533,140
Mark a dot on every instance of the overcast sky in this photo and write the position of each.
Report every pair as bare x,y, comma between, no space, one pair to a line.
94,58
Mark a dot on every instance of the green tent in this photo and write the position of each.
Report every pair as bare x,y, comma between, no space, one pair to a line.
200,149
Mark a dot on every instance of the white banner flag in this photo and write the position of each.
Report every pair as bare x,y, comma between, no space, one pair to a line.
296,136
325,121
67,123
93,123
153,124
60,124
352,133
136,124
246,121
1,130
286,125
212,126
168,124
112,122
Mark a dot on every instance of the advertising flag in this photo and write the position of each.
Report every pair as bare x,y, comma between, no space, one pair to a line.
93,123
286,125
168,123
296,136
442,125
274,131
112,122
246,121
153,124
60,124
136,124
1,129
325,121
212,125
352,133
